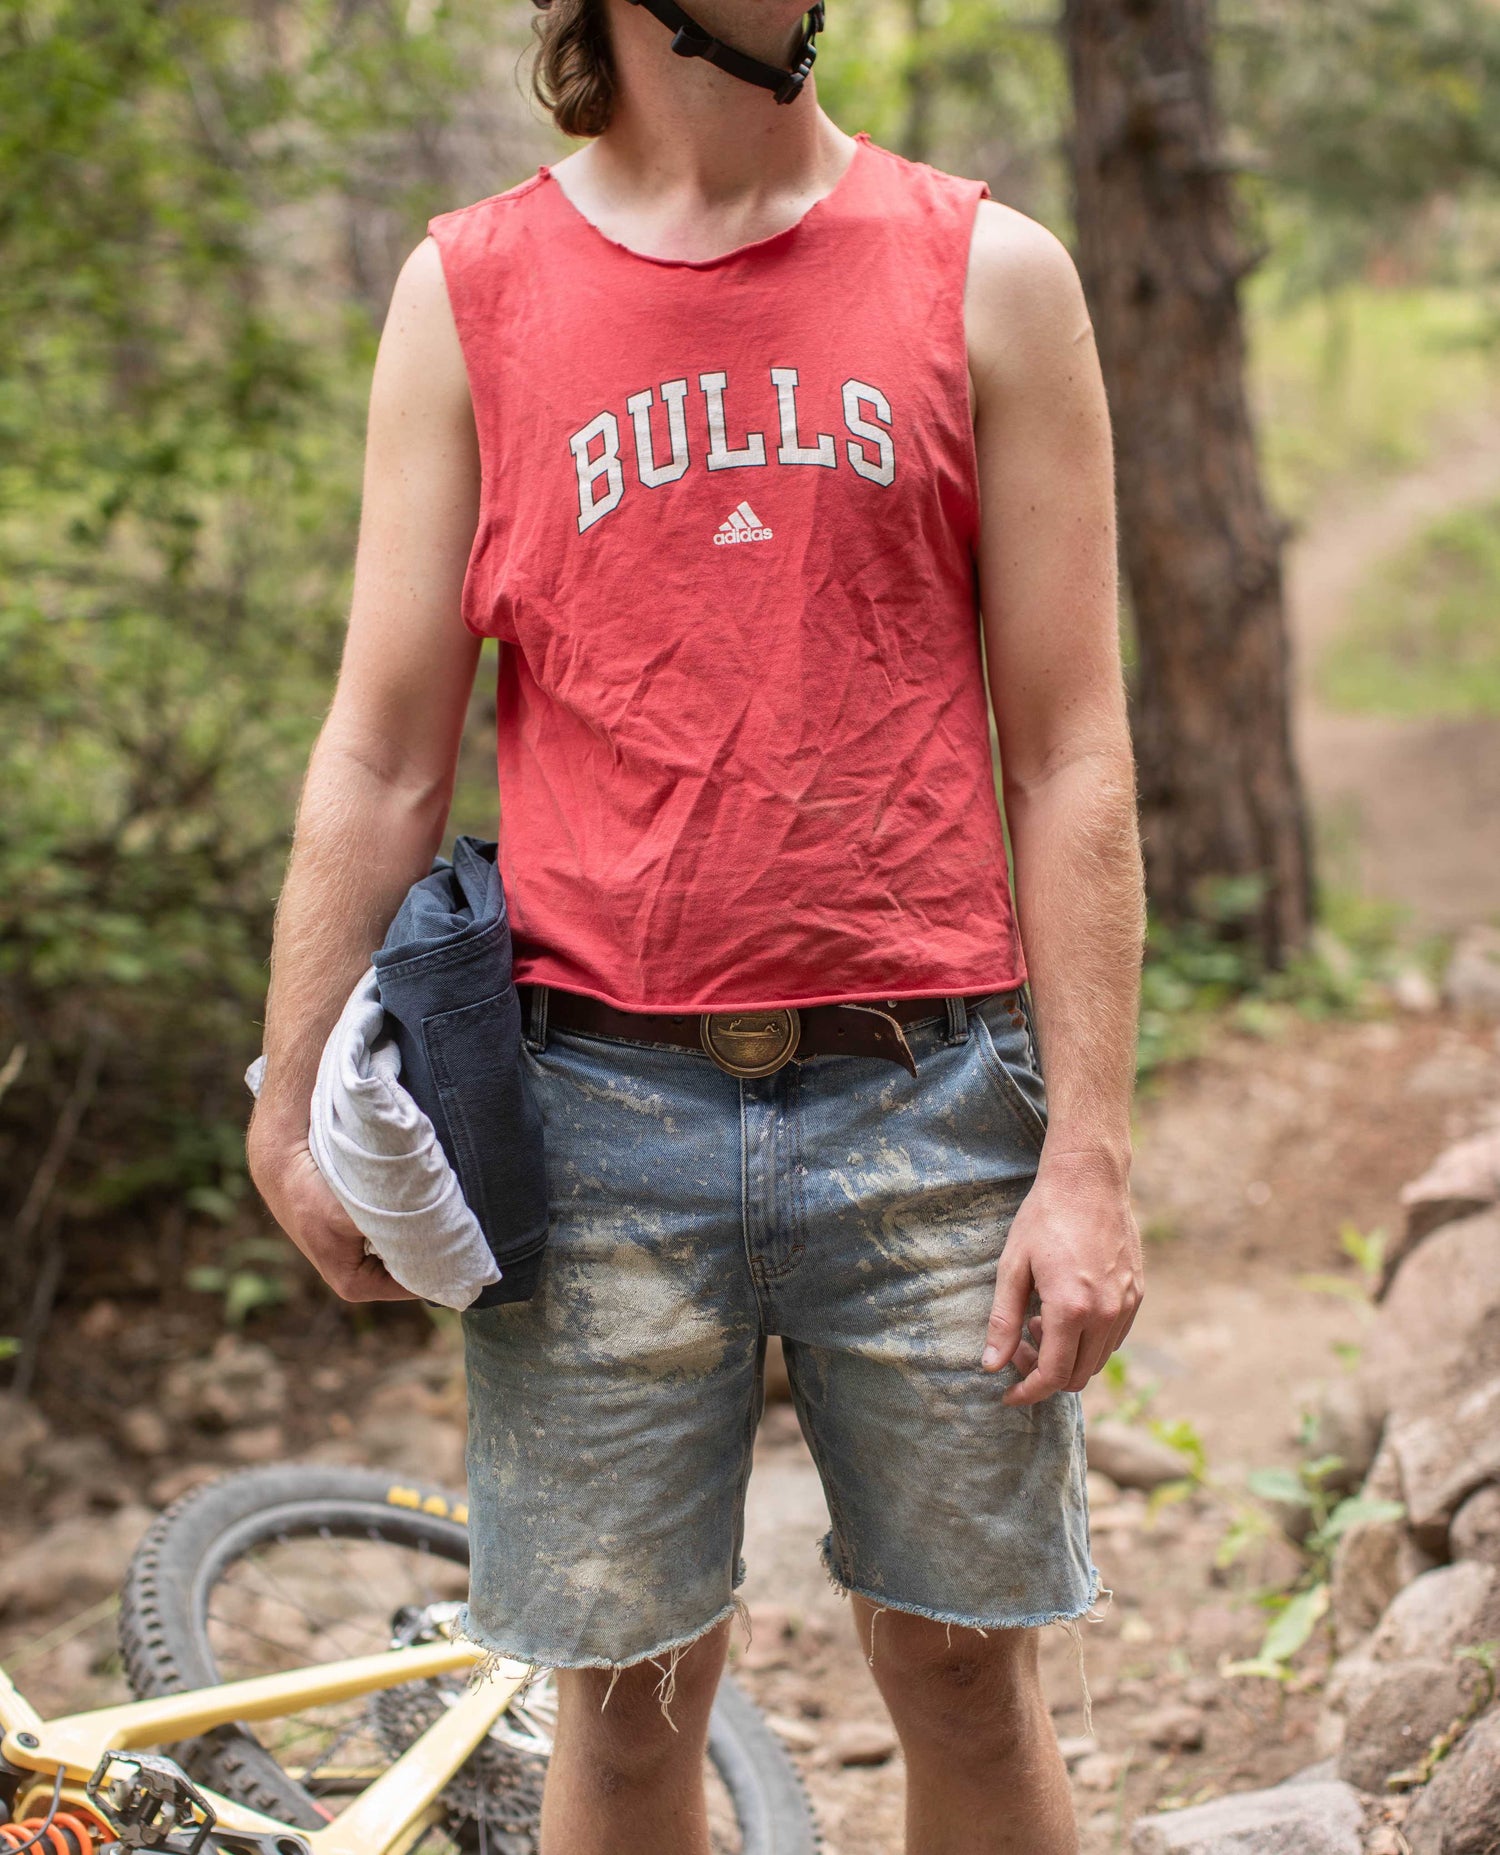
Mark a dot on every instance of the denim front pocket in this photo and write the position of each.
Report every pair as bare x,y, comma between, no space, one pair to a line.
999,1026
494,1123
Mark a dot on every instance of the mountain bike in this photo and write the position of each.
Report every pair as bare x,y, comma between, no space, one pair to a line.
287,1632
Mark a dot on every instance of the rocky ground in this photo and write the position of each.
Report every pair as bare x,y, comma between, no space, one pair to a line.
1252,1159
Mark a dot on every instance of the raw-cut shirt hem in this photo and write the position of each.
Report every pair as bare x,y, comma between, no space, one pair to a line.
1008,981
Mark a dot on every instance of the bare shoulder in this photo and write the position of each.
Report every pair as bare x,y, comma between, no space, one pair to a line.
420,351
1024,306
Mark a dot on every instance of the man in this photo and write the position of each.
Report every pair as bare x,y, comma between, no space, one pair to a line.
728,426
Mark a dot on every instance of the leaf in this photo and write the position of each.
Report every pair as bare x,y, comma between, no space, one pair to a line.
1339,1285
1259,1667
1357,1511
1295,1624
1283,1486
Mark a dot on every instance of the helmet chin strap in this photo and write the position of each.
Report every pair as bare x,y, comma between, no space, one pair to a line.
691,41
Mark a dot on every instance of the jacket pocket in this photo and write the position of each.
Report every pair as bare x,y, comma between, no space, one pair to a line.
493,1121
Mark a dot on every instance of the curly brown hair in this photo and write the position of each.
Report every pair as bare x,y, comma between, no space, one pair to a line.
574,73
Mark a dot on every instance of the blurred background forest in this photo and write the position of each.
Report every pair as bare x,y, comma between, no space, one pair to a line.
203,206
1287,217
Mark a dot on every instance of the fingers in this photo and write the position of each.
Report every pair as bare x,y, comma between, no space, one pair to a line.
1004,1332
1062,1333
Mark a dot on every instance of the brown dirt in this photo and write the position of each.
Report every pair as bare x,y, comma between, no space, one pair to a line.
1406,809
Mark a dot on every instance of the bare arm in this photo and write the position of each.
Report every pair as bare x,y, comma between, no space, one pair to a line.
1049,597
380,780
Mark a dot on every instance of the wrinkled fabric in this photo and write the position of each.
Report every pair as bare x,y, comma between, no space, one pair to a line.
726,533
858,1212
444,978
382,1160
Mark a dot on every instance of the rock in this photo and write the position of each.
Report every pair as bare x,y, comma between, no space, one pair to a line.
1412,991
82,1474
861,1742
1374,1559
1366,1576
1292,1819
1475,1532
1098,1771
73,1563
23,1432
1173,1729
1440,1612
1341,1423
176,1482
1458,1813
1445,1453
1320,1773
1427,1341
1132,1458
770,1641
800,1735
1472,981
1461,1181
145,1431
1400,1712
265,1442
1076,1747
415,1444
239,1383
1203,1691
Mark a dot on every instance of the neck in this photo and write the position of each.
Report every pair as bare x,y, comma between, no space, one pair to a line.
681,127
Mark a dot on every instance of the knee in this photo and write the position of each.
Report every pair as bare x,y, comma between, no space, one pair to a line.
634,1725
958,1688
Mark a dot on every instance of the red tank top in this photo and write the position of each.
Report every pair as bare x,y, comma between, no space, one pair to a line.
726,535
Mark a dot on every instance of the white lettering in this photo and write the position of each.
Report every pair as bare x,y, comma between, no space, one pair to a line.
883,471
790,451
652,474
720,457
607,465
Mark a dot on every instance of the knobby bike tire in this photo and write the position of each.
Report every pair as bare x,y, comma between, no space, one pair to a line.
165,1647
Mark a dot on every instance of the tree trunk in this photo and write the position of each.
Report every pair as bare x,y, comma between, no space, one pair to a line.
1222,810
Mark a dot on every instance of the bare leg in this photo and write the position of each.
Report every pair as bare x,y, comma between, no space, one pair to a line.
983,1772
621,1780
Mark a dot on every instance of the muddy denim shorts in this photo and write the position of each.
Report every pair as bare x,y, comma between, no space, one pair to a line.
851,1208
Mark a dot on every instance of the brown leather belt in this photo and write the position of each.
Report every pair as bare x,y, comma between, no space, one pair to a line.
753,1043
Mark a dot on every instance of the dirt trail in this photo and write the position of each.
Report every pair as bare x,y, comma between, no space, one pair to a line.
1407,810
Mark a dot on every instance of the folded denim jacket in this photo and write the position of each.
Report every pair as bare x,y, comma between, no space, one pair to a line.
423,1122
445,982
382,1160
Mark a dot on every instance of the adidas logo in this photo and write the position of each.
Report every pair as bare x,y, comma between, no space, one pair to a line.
743,525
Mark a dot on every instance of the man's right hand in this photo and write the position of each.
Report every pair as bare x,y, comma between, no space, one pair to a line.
298,1197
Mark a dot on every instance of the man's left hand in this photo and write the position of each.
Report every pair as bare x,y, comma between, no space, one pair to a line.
1075,1243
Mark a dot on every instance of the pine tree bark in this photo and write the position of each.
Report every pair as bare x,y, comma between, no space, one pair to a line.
1161,258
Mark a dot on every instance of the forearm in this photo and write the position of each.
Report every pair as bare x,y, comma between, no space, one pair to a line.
1080,901
363,836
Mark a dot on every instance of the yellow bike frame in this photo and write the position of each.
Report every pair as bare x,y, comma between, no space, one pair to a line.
389,1816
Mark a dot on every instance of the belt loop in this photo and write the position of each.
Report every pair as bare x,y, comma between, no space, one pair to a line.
958,1020
537,1036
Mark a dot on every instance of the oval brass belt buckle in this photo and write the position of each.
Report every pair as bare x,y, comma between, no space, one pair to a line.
750,1043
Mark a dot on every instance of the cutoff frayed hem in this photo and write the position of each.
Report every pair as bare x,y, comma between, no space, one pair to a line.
1069,1619
490,1662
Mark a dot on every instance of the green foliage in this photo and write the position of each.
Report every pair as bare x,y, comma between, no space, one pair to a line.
1424,638
1368,1256
1355,381
1363,113
181,412
1208,973
250,1277
1296,1612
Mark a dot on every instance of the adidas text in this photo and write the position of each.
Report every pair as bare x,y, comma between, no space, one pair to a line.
742,524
